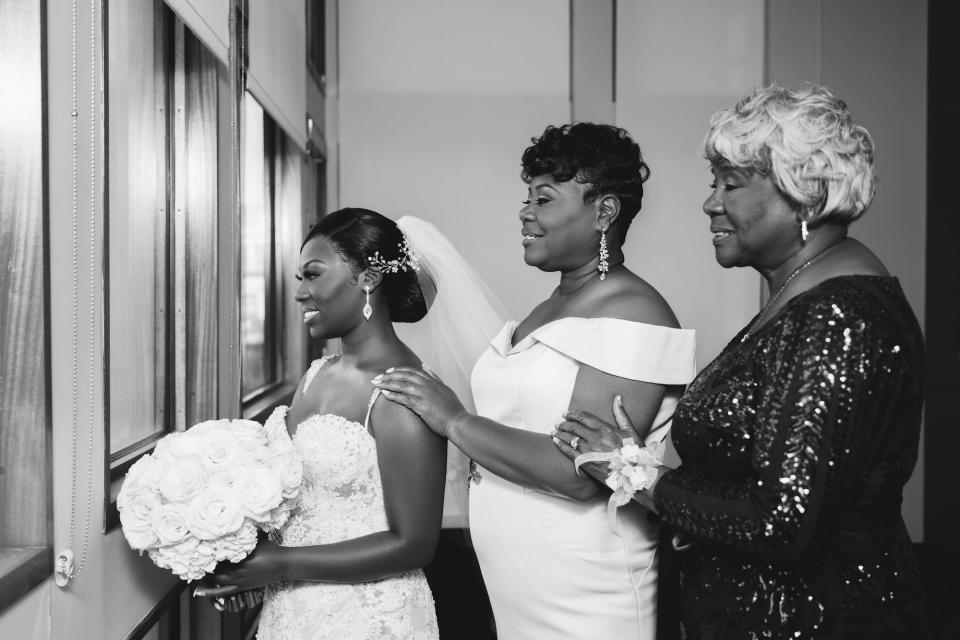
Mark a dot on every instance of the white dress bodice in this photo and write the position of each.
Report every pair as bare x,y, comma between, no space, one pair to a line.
552,566
341,498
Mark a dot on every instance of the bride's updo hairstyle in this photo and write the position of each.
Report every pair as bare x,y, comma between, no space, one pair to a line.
358,235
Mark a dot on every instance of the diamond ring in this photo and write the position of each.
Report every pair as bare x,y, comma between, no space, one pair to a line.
575,442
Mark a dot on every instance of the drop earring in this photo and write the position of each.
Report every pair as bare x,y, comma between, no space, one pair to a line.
603,267
804,232
367,309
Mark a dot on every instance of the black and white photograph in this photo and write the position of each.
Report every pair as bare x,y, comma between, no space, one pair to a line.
478,320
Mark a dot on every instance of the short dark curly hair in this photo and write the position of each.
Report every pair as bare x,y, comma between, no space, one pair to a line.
602,156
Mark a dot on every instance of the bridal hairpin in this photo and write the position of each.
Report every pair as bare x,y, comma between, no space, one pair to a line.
408,258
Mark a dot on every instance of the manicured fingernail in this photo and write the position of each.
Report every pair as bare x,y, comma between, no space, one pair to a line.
378,379
385,392
618,400
390,370
553,433
556,440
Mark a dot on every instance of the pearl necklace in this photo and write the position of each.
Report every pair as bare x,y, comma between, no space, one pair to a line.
766,308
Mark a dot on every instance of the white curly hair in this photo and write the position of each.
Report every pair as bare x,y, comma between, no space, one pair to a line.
807,141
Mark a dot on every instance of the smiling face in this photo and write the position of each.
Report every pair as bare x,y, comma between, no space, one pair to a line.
560,231
329,292
753,225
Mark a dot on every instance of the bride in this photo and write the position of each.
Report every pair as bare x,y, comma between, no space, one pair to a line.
348,564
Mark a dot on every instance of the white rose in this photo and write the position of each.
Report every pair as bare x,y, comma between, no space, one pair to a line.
638,477
225,477
178,445
170,524
246,428
630,452
219,450
183,478
135,520
214,512
260,489
141,476
289,467
208,426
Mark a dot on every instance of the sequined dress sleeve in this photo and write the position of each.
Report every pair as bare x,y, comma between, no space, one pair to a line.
795,446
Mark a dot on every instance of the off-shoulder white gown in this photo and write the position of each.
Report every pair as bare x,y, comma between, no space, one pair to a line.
552,566
342,498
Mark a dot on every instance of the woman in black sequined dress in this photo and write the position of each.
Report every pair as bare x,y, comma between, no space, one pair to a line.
797,439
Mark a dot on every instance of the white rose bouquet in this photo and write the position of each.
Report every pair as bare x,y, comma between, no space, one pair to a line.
204,493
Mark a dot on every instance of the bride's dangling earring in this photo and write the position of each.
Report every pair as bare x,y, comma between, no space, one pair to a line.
804,232
367,309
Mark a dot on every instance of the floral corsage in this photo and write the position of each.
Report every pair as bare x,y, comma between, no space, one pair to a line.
632,468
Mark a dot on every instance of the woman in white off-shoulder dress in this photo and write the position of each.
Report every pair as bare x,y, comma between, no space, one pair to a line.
347,565
554,565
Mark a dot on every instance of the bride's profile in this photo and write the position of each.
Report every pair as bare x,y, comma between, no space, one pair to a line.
348,564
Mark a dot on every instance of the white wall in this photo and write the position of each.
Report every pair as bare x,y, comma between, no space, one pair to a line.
677,63
437,101
873,54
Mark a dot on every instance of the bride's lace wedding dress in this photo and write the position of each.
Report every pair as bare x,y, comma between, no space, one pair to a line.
341,498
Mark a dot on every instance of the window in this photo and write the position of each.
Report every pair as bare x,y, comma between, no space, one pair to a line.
25,493
260,317
140,230
272,355
317,40
162,102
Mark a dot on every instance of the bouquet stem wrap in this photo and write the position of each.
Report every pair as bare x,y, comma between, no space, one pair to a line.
238,601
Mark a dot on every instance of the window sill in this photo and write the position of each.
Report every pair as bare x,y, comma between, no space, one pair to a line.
21,569
261,406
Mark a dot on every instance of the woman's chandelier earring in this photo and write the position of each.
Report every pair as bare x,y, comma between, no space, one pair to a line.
804,232
367,309
603,267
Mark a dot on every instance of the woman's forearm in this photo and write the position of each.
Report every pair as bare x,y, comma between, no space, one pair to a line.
372,557
524,458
